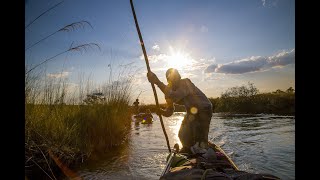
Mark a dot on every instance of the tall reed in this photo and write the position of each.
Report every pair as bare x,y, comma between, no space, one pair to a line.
59,120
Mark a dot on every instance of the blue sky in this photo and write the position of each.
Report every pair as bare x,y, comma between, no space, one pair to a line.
217,44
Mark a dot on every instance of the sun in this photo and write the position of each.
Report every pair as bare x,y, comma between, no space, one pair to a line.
179,60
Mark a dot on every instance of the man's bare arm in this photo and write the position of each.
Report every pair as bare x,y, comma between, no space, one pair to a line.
169,109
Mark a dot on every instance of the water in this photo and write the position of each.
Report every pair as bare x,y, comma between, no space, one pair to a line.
260,143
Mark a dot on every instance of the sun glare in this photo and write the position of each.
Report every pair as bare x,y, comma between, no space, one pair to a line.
179,60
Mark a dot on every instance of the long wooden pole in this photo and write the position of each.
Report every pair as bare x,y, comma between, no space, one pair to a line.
148,67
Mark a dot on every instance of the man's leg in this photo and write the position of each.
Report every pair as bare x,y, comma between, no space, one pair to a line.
204,124
186,133
201,129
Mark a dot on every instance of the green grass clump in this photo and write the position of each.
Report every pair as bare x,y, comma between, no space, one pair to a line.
72,124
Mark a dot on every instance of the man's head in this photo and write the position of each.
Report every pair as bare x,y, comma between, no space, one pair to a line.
172,76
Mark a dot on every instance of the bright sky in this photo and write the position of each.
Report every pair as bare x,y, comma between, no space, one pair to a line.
216,44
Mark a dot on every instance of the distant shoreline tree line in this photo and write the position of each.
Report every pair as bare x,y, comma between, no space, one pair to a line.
246,99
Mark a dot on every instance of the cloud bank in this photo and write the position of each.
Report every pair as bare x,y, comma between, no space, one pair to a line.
253,64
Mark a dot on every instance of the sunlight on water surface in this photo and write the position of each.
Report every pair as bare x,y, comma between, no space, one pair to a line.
257,143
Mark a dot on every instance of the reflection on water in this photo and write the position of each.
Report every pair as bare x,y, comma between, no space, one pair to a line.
257,143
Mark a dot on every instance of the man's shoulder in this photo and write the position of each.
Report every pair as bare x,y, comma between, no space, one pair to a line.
186,81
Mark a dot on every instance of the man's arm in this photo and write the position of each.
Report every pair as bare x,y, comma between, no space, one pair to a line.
169,109
155,80
162,87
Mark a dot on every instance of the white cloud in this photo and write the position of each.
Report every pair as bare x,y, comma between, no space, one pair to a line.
251,64
212,60
273,3
254,64
59,75
156,47
283,58
198,65
204,29
155,58
188,74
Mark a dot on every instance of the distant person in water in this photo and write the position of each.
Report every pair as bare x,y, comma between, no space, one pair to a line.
136,106
147,117
194,129
148,114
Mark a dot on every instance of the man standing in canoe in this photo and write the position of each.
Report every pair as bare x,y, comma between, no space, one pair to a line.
194,129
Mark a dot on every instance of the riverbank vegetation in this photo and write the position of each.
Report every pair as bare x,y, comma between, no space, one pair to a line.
246,99
69,124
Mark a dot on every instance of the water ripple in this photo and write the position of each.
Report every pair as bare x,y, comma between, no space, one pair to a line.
258,143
